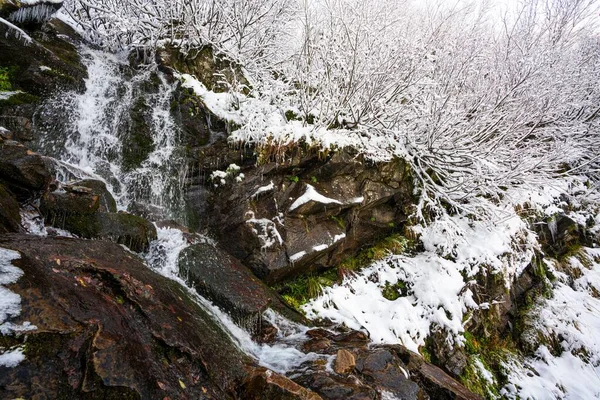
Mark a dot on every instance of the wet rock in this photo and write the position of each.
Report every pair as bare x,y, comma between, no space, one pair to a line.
316,345
106,200
224,280
38,68
25,173
10,219
80,213
304,213
437,383
108,327
385,371
263,384
331,387
344,362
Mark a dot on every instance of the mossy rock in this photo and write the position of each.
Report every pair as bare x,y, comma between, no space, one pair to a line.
18,99
138,142
209,68
79,213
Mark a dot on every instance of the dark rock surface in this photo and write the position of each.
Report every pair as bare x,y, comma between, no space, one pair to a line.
10,219
393,369
25,173
79,214
108,327
256,220
225,281
37,69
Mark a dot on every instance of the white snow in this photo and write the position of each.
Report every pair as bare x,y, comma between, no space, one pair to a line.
297,256
263,189
10,306
311,194
265,230
438,292
549,377
12,358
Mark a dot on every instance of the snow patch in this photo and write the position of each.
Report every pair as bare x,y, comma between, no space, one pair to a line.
263,189
265,230
311,194
12,358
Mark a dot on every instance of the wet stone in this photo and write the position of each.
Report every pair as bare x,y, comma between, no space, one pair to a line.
224,280
344,362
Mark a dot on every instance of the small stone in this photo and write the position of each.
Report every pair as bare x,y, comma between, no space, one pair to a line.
344,362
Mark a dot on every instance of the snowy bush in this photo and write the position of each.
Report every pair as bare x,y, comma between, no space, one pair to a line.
475,100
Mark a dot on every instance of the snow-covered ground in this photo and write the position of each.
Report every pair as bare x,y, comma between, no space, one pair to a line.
10,307
438,283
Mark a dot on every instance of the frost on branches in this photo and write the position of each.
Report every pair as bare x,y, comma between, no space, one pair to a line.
476,103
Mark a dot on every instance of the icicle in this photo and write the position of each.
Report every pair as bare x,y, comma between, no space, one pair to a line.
34,13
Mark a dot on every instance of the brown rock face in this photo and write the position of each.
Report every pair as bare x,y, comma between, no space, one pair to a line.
344,362
10,219
108,327
304,214
263,384
23,171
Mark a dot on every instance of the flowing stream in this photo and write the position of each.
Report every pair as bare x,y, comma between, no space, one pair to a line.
85,134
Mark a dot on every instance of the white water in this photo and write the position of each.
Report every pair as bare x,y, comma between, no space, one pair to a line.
87,140
89,144
280,357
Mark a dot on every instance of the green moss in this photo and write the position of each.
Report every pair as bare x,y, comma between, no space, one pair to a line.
299,291
340,221
302,289
474,380
139,143
6,74
291,116
395,291
56,74
19,98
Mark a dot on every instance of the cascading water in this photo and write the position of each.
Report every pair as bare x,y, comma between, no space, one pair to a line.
281,357
89,142
86,132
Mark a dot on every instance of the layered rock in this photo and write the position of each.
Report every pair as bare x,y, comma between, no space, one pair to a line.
82,213
304,214
108,327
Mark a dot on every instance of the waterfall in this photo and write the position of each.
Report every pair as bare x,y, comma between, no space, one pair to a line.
95,134
281,357
85,133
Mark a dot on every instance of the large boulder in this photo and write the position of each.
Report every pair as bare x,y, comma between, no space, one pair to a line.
108,327
27,174
306,213
233,287
81,212
10,219
263,384
225,281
